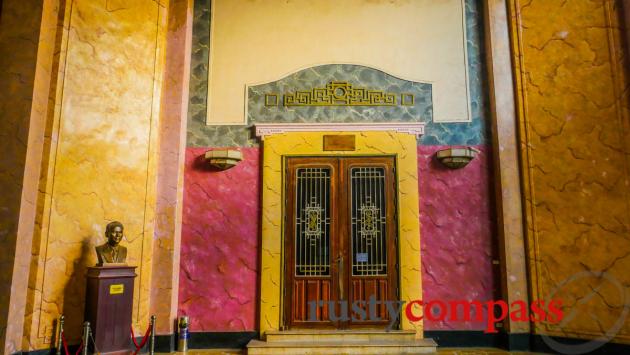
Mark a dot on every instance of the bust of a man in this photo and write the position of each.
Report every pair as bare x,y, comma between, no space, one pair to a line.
112,252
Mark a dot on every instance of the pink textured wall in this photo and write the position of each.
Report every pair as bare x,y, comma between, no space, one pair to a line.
219,249
456,226
219,253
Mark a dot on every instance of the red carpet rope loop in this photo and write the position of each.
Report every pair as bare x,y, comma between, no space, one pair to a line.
65,345
144,340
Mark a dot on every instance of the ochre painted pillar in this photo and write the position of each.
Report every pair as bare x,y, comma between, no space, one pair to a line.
28,33
172,151
505,153
572,105
85,122
99,159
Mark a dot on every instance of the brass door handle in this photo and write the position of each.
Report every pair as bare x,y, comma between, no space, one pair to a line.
340,276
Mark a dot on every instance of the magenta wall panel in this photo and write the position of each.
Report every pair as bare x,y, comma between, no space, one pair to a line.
456,217
220,233
219,252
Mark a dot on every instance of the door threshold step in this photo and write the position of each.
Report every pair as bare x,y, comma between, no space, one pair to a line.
345,343
420,346
301,335
342,331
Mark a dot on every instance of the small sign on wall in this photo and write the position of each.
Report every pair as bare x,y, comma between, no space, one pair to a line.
339,142
362,257
116,289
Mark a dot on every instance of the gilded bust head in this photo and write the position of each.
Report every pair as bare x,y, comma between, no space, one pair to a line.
112,252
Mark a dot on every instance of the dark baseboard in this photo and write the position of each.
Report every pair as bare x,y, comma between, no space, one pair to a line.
52,351
73,349
37,352
576,346
444,338
523,342
225,340
514,341
206,340
479,339
463,338
165,343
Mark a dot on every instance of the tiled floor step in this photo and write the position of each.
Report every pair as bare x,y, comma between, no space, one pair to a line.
342,347
337,335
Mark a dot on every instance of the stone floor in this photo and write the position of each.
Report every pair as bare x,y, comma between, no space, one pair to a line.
441,351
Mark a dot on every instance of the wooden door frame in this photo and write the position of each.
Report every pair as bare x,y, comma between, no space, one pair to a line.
389,162
292,164
340,236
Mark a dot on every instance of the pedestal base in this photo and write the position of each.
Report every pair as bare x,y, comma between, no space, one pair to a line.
108,307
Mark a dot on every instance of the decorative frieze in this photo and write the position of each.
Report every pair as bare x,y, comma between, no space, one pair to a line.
267,129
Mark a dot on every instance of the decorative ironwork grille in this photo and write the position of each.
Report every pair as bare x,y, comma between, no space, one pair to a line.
312,222
369,221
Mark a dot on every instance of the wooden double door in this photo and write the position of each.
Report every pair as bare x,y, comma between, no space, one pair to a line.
340,242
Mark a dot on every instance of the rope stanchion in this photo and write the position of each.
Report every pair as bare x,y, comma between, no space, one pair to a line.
152,340
86,338
96,351
60,324
144,339
62,343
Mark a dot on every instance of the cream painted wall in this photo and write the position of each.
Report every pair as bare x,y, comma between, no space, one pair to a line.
254,42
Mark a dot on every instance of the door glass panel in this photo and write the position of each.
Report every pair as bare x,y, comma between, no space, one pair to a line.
312,222
369,222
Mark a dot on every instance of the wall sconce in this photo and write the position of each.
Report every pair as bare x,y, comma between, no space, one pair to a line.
223,159
455,158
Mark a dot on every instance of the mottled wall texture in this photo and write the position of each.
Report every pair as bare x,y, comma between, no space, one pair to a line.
23,103
575,143
99,156
85,120
456,230
219,255
220,233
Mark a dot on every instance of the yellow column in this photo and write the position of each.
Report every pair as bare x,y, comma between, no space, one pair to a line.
276,147
99,162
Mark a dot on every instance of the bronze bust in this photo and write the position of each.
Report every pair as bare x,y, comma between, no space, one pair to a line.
112,252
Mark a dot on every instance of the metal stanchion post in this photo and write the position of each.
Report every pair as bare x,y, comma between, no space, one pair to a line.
152,339
86,337
60,334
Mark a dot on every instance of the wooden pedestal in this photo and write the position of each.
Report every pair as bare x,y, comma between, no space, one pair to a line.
108,307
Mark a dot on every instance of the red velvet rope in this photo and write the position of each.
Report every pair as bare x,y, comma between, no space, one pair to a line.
65,345
80,348
144,340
